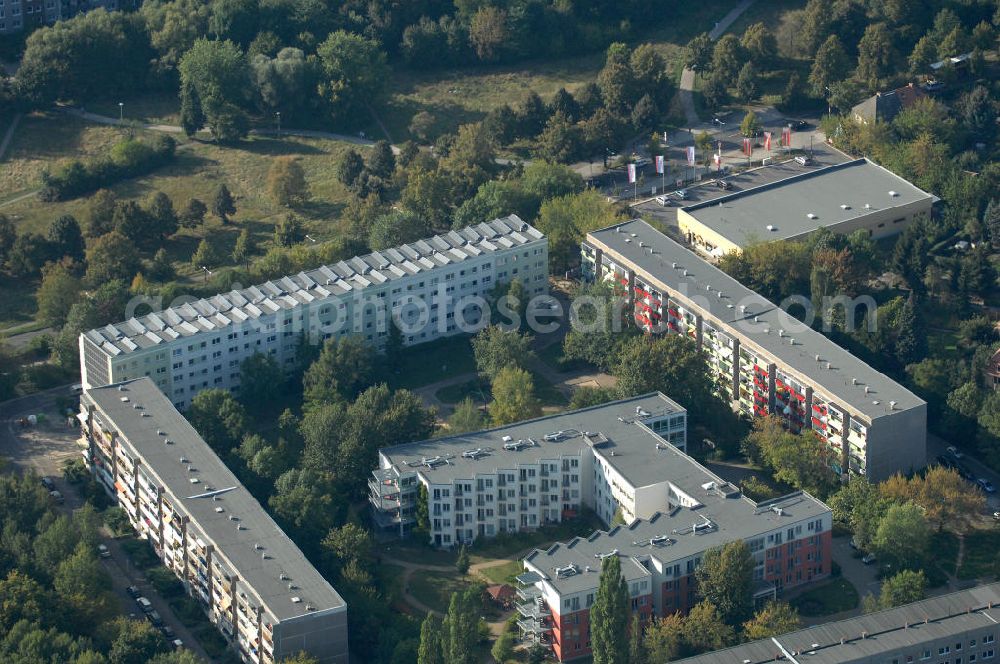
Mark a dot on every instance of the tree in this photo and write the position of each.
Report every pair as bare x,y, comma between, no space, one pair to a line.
560,140
260,376
244,248
991,222
902,588
609,615
219,74
381,161
354,73
396,228
65,238
704,629
698,53
462,562
797,459
348,543
860,506
977,112
616,80
57,294
488,32
563,102
903,536
349,168
664,638
876,55
750,125
944,496
286,182
637,653
285,82
421,126
645,114
162,215
746,82
29,253
830,65
513,397
774,619
727,58
462,627
8,236
503,648
567,219
193,214
466,417
725,578
192,114
431,640
715,91
288,231
759,44
109,257
81,582
205,255
496,349
924,53
219,418
344,368
222,203
911,337
134,642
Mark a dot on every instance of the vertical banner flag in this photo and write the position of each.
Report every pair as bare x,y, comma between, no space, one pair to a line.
767,140
718,161
747,147
690,155
631,173
786,137
659,164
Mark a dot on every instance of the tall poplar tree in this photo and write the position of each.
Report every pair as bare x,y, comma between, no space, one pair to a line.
609,616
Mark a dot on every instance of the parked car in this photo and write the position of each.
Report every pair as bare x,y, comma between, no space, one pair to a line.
955,452
964,472
154,618
798,125
933,86
986,485
144,604
168,632
76,388
48,483
854,544
869,559
133,592
664,201
177,644
803,160
58,497
723,184
996,516
681,194
103,551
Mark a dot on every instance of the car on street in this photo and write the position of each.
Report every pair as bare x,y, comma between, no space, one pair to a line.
955,452
103,551
798,125
681,194
48,483
177,644
803,160
854,544
986,485
168,632
132,592
76,388
868,559
723,184
144,604
664,201
154,618
58,497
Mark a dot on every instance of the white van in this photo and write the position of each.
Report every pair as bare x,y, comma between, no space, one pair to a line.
802,160
663,200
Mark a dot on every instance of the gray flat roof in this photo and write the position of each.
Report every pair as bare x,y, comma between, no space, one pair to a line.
613,425
743,216
692,277
162,460
352,275
723,516
905,626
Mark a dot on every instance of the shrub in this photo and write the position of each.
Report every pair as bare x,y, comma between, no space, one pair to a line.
128,158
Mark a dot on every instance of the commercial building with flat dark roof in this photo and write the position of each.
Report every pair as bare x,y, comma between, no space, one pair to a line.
251,579
843,198
958,628
764,361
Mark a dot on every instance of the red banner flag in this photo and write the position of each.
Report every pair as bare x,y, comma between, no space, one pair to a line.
786,137
747,147
767,140
631,173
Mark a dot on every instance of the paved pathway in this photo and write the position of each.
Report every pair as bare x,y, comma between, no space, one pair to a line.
686,88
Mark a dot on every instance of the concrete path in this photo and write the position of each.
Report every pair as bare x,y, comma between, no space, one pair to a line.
9,135
685,91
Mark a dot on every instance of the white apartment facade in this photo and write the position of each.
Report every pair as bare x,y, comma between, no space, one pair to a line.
538,472
431,288
254,584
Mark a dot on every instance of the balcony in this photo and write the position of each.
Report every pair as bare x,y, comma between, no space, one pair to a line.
536,609
528,593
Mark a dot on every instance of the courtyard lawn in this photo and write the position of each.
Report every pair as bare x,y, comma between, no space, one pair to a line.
982,555
504,573
434,361
833,597
944,551
459,391
434,589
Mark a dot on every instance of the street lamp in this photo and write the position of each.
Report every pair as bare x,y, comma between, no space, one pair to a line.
207,272
277,114
121,112
311,238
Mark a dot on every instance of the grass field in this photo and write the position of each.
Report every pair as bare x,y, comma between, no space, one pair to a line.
982,555
833,597
435,589
459,391
503,573
435,361
149,108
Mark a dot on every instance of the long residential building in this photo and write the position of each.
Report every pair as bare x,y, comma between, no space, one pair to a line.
957,628
789,539
252,581
763,361
431,288
607,458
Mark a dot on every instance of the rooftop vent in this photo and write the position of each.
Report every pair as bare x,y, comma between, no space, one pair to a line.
868,206
283,576
185,460
257,546
854,381
867,389
233,517
845,206
194,480
781,333
817,358
514,446
161,432
673,265
239,527
568,570
168,441
124,399
296,600
893,194
474,454
506,439
554,437
602,556
811,216
892,405
641,412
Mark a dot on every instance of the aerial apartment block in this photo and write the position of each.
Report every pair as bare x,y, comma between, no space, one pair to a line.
252,581
18,15
958,628
789,538
431,288
606,458
763,361
843,198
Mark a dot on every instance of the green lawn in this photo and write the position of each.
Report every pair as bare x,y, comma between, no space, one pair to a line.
944,551
148,108
455,393
435,589
434,361
549,394
510,545
17,306
503,573
982,555
390,579
833,597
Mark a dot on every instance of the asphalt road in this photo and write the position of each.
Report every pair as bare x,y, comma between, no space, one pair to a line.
43,449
